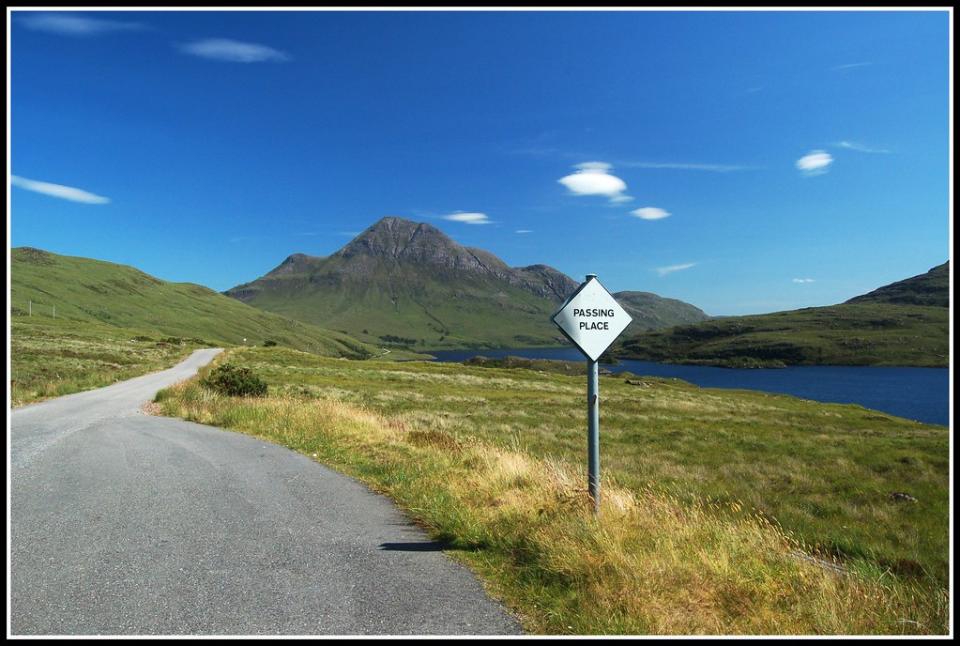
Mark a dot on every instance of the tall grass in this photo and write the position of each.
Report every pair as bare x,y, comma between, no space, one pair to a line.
54,358
651,563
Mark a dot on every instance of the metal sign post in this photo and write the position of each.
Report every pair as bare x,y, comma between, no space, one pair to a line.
592,319
593,433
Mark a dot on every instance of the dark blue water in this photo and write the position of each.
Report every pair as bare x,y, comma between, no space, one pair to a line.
915,393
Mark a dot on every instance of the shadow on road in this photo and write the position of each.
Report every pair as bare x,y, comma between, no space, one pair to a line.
419,546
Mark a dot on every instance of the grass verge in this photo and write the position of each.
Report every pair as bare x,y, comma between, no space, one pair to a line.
59,357
663,558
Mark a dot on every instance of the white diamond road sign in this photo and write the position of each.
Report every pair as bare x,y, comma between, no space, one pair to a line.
592,319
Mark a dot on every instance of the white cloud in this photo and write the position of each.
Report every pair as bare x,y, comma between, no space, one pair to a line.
594,178
848,66
58,190
815,163
860,148
468,218
650,213
523,231
600,166
73,25
803,281
232,51
663,271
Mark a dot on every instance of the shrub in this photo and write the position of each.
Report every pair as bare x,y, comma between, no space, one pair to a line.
234,381
269,343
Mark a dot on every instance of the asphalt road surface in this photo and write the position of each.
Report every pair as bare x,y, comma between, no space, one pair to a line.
123,523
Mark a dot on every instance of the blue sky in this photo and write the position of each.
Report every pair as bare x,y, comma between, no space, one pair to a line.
745,162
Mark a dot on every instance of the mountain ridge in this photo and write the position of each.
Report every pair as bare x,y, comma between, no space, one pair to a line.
400,279
931,288
905,323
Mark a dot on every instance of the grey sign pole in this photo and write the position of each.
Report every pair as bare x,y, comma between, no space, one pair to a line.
593,427
593,432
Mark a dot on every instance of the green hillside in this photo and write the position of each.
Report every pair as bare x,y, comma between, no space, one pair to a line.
93,291
652,312
406,307
903,324
114,322
930,289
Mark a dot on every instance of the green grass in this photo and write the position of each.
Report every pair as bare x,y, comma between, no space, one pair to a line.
56,357
709,495
94,291
114,322
53,357
849,334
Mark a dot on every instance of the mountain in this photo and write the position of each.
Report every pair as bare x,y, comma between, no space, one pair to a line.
652,312
407,283
905,324
931,288
97,292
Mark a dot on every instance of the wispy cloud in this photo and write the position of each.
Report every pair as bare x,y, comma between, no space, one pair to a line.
538,151
58,190
803,281
468,218
713,168
594,178
848,66
232,51
650,213
816,162
523,231
860,148
74,25
669,269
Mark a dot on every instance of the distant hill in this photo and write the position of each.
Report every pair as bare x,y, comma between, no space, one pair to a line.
408,284
94,291
905,323
652,312
931,288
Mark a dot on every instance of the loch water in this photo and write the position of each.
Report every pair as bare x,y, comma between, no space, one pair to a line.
921,394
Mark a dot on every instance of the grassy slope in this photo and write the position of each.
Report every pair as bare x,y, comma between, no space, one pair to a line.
902,324
102,292
431,311
847,334
102,307
929,289
652,312
491,459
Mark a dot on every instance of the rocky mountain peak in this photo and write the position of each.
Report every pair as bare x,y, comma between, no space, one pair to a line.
396,238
